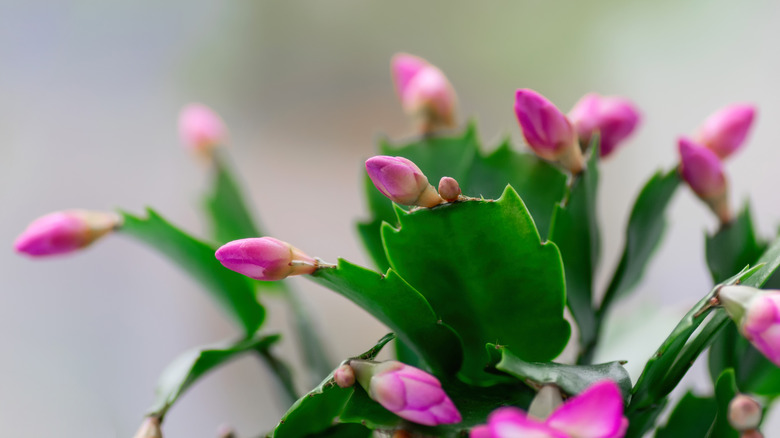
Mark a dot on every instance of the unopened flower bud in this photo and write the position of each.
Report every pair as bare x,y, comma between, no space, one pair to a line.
725,131
547,130
757,314
64,231
200,128
744,413
424,91
149,429
408,392
402,181
344,376
703,172
265,258
613,118
449,189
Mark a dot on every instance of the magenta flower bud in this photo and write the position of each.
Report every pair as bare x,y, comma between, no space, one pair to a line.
63,232
449,189
265,258
703,171
200,128
150,428
744,413
344,376
726,130
402,181
595,413
408,392
424,91
547,130
614,118
757,314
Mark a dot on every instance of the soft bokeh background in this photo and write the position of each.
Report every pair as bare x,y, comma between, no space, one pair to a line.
89,94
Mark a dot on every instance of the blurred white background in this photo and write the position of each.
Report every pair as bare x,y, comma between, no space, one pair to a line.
89,95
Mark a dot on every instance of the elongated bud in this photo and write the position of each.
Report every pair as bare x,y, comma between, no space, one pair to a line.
424,91
449,189
344,376
63,232
757,314
703,172
402,181
614,118
265,258
744,413
200,128
547,130
725,131
150,428
408,392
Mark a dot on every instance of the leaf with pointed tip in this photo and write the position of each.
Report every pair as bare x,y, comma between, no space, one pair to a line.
572,379
231,290
186,369
725,391
483,268
398,305
692,417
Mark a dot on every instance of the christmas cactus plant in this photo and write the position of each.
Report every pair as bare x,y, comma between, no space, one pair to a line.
477,258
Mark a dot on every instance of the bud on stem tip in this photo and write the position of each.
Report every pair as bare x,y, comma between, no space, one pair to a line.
402,181
266,258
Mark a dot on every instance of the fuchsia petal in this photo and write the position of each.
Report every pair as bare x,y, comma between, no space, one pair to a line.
264,258
597,412
404,67
725,131
701,169
482,431
762,325
63,232
614,118
545,127
513,423
401,180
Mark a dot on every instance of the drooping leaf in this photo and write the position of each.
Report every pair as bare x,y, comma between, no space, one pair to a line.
399,306
482,267
733,247
693,416
228,214
572,379
575,231
231,290
725,391
186,369
643,234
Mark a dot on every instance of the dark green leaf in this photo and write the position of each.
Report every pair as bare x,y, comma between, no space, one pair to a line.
575,231
192,365
692,417
572,379
482,267
725,391
733,247
344,431
231,290
228,214
399,306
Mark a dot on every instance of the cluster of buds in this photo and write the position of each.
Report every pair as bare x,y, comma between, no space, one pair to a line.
266,258
757,314
701,166
424,91
404,183
555,137
597,412
64,232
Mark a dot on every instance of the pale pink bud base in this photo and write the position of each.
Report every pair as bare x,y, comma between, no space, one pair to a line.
265,258
424,91
757,314
200,128
344,376
744,413
64,232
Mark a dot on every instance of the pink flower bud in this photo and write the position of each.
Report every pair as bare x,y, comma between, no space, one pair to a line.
547,130
64,231
402,181
200,128
449,189
595,413
149,429
757,314
744,413
614,118
703,171
726,130
344,376
408,392
265,258
424,91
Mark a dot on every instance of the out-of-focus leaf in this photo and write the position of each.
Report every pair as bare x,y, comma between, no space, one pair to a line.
231,290
692,417
725,391
483,268
733,247
228,214
399,306
186,369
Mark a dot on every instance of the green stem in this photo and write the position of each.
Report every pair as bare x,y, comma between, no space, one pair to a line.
315,357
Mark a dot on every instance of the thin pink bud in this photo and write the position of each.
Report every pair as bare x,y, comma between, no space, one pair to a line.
402,181
614,118
63,232
449,189
265,258
703,171
408,392
725,131
200,128
424,91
